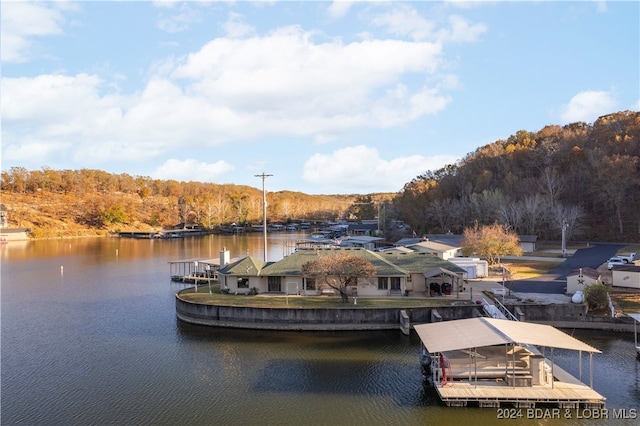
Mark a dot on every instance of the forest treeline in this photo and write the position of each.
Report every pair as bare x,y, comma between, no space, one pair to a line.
585,178
79,202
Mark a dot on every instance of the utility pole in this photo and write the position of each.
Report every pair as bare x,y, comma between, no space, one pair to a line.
264,213
564,237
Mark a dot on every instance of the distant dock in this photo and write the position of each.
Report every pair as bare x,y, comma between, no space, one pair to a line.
165,234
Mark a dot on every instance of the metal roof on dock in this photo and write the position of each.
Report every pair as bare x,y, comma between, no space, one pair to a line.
479,332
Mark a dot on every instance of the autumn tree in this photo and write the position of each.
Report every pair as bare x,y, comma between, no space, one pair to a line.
338,270
491,242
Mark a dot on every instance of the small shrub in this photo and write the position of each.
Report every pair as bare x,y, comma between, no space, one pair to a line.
596,296
253,291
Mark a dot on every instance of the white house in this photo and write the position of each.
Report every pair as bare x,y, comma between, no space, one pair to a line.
425,245
578,279
627,276
475,267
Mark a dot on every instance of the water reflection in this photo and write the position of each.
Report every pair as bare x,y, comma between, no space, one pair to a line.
100,344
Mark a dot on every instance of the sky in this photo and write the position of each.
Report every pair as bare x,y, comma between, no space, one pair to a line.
325,97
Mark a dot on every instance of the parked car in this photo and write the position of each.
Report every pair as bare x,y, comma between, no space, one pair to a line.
614,261
626,259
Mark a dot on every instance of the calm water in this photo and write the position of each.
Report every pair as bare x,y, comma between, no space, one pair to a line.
89,336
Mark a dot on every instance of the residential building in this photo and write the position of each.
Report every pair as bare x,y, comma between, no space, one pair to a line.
396,274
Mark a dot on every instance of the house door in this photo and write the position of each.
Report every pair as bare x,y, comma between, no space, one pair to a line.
395,283
274,284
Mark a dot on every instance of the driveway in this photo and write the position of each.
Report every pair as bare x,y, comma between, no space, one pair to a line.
555,281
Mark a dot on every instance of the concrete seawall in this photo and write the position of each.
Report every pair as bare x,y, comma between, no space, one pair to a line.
348,318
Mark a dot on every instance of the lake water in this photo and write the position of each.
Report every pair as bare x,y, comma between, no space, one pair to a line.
90,337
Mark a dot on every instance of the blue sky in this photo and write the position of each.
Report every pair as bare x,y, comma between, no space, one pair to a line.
328,97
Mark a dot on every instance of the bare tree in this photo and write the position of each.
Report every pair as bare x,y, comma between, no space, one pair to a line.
551,184
339,270
532,210
572,215
511,215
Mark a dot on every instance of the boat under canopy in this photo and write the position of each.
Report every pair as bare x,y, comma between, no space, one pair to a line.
492,361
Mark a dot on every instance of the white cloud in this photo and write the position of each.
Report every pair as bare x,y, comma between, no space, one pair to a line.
65,112
38,152
285,83
22,22
406,21
180,20
587,106
236,27
360,169
289,84
461,30
339,8
192,170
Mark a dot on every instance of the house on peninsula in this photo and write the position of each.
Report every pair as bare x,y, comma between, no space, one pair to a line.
396,274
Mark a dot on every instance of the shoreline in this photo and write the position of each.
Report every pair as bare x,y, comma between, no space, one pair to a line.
391,318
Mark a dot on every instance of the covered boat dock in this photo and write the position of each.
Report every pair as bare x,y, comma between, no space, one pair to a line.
194,271
490,362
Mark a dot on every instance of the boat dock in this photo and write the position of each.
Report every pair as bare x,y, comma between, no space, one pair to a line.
194,271
200,270
490,362
564,392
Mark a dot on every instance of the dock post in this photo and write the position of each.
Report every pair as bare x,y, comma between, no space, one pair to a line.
405,323
435,316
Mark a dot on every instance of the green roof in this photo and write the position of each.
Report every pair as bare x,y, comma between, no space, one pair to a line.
417,262
386,264
292,264
247,266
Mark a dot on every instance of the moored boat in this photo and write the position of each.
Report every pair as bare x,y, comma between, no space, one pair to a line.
490,362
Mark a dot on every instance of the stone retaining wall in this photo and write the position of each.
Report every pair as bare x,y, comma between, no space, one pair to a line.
352,318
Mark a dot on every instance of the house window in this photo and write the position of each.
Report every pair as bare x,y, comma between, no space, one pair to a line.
274,283
310,283
382,283
395,283
243,282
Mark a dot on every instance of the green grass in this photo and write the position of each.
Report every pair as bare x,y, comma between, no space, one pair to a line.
627,302
268,301
522,269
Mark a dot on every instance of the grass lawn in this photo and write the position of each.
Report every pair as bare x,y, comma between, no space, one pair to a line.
268,301
523,269
519,269
626,302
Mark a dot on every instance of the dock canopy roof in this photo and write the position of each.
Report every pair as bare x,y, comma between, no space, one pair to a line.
479,332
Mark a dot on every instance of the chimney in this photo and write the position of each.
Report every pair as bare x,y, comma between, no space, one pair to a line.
224,257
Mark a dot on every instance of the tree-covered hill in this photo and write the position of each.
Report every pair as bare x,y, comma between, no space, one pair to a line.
584,177
56,203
